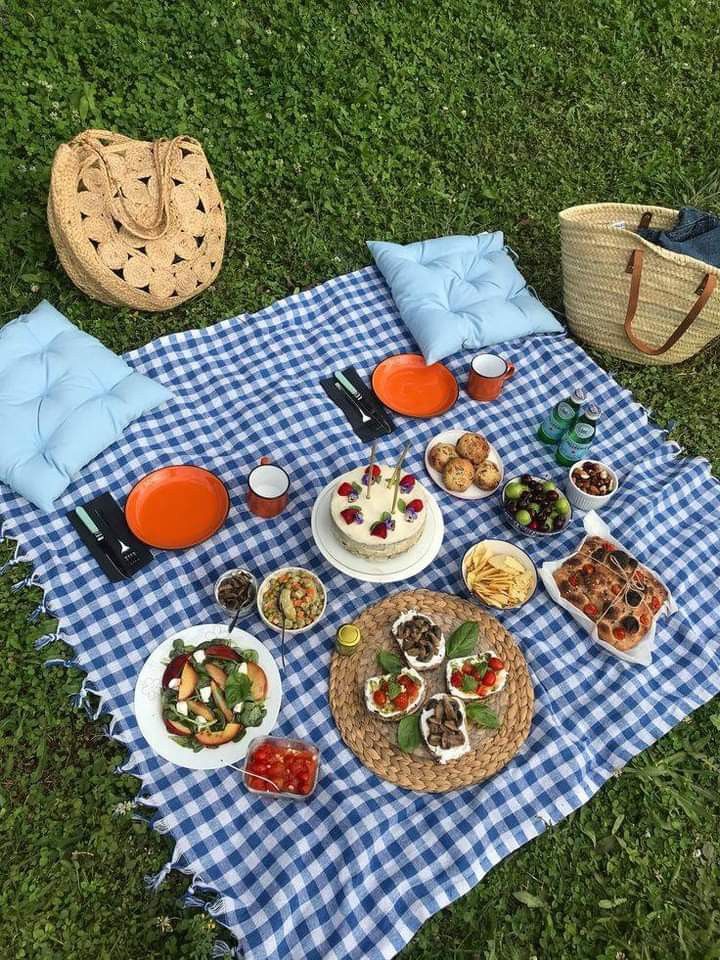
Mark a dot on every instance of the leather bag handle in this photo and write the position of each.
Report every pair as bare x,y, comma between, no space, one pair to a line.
704,292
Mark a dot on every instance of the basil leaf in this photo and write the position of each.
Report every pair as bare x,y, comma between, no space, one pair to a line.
463,641
237,687
482,715
389,662
177,647
394,689
249,656
469,683
408,735
251,715
401,505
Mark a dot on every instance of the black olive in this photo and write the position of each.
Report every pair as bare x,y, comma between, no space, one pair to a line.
621,558
599,554
630,624
633,598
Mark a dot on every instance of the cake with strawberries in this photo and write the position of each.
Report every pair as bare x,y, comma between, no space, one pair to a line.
370,528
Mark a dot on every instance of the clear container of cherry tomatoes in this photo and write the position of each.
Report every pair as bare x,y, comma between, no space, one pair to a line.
282,767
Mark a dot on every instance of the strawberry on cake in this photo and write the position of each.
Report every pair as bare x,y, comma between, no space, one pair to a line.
370,528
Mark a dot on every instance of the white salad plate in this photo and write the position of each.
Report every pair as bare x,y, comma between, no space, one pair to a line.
473,492
391,570
148,710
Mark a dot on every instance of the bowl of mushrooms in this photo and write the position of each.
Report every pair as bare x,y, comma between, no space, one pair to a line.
590,484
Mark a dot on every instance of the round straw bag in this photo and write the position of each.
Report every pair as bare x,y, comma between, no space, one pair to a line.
628,296
136,224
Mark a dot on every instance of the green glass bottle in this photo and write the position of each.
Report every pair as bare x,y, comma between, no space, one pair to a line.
575,444
561,418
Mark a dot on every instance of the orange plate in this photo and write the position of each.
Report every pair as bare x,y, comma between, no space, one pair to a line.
177,507
407,385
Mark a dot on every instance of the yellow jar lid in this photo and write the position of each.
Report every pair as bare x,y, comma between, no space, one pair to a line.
348,635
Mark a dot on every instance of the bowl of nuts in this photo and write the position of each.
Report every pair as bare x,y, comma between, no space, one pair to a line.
590,484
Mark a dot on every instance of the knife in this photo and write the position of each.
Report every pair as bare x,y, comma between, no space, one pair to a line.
357,397
100,538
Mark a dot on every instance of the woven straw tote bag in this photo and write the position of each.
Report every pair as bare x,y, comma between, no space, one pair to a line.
628,296
136,224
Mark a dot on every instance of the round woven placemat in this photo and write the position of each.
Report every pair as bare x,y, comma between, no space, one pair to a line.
373,740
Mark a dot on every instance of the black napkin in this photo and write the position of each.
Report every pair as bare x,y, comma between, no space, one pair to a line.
381,424
110,520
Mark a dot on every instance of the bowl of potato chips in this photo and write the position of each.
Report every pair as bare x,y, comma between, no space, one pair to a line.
499,574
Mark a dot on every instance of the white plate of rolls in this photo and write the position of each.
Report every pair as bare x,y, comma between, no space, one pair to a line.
464,463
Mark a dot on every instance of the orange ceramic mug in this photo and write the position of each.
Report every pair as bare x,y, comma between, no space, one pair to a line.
488,373
267,493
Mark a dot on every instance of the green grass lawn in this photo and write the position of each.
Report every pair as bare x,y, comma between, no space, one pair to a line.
327,124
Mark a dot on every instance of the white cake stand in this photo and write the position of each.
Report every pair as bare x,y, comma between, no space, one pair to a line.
402,567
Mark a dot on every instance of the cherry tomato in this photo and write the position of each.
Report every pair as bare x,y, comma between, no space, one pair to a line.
495,664
380,698
588,568
401,701
616,587
572,580
619,633
467,667
645,620
591,610
405,681
655,604
481,690
490,678
456,678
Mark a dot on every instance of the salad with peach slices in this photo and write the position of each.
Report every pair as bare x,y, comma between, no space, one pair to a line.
211,693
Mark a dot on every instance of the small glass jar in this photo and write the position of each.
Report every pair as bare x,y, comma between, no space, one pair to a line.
249,603
347,640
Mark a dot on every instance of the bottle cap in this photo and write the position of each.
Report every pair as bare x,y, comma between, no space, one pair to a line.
578,395
592,412
348,635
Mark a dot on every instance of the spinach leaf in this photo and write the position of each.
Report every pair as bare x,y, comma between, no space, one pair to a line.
177,647
252,714
469,683
237,687
249,656
190,743
463,641
389,662
408,735
394,689
482,715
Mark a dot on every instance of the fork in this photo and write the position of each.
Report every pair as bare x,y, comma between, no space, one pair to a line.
127,553
364,417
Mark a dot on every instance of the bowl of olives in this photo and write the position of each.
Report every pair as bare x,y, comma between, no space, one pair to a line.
535,506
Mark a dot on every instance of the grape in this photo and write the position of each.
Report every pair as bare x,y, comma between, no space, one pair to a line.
523,517
562,507
548,485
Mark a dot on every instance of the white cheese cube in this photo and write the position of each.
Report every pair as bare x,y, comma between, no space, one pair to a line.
182,708
205,693
174,683
199,656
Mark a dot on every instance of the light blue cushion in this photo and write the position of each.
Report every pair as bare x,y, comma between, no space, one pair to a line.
64,398
460,293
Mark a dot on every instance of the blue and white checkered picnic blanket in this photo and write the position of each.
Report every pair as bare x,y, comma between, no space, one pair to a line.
355,871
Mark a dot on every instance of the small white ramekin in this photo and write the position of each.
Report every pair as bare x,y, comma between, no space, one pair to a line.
586,501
